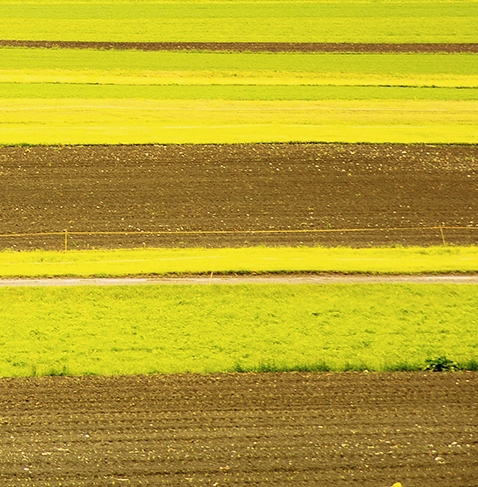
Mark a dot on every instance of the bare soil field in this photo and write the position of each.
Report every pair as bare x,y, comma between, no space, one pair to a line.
364,429
258,194
342,47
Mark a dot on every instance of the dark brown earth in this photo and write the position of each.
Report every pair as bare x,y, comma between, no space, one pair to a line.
342,47
364,429
286,193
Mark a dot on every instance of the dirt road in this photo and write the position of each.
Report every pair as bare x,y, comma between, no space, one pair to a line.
259,279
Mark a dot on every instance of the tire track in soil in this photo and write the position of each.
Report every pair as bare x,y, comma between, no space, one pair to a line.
341,47
302,429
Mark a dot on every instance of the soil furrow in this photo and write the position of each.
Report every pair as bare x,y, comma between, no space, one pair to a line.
341,47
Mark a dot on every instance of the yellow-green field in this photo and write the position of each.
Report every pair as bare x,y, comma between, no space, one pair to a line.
168,329
109,97
238,20
409,260
212,121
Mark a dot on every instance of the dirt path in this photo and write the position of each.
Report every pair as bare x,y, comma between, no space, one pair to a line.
363,429
231,280
250,46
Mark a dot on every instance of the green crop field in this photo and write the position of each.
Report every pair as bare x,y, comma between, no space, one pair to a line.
54,91
93,97
400,260
167,329
200,20
147,65
218,121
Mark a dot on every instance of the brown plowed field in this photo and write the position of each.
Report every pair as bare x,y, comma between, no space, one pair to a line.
237,189
249,46
327,430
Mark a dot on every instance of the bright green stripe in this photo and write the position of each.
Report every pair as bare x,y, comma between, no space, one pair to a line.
232,92
145,329
409,260
243,21
238,10
130,61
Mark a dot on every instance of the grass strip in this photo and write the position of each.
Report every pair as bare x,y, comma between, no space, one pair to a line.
116,263
144,63
175,329
267,92
129,121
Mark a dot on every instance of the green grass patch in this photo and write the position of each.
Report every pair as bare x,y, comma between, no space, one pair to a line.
287,21
400,260
171,329
79,121
142,62
231,92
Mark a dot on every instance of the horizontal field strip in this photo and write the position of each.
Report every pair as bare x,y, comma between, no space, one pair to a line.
342,47
237,232
248,92
67,234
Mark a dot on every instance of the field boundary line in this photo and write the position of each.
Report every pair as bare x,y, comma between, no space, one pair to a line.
338,47
66,234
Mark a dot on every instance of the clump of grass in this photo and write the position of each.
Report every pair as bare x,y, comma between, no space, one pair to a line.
37,371
471,365
441,364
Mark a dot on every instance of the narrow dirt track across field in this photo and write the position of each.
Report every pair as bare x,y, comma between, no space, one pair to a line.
235,280
340,47
300,429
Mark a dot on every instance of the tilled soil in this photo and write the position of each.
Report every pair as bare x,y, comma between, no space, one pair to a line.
239,195
365,429
342,47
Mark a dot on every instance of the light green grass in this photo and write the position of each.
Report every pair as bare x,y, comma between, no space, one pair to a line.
287,21
142,62
170,329
231,92
129,121
401,260
70,66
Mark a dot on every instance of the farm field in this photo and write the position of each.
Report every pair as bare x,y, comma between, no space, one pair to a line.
229,21
241,429
240,261
355,195
206,137
124,330
78,96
